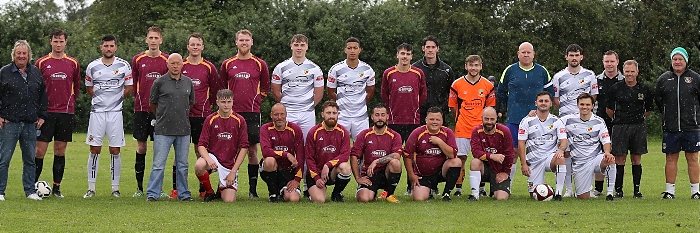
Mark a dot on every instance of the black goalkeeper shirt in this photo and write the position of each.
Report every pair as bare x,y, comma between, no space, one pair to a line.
629,103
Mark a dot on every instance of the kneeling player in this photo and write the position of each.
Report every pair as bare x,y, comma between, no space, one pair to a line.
380,150
282,146
493,153
430,157
327,152
587,133
540,150
224,144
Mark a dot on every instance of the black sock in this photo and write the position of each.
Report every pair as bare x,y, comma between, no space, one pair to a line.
271,179
393,181
599,185
451,179
174,177
139,167
39,166
636,176
408,185
459,186
59,164
253,177
619,178
340,182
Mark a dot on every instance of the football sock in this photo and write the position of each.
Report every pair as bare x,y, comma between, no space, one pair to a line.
393,181
116,168
560,177
474,180
204,181
139,167
340,182
271,179
694,188
620,179
92,164
599,185
512,174
174,177
636,176
611,173
39,166
671,188
451,179
59,164
253,177
569,172
460,179
408,185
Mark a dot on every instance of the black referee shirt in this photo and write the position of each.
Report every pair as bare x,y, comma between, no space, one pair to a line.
629,103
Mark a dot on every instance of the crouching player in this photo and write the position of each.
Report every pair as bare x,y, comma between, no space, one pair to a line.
282,146
430,157
542,142
223,144
493,153
379,148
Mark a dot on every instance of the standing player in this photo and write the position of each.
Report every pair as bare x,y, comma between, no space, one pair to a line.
469,95
542,142
430,158
493,157
438,77
379,150
519,83
205,79
606,80
62,78
589,142
298,84
249,76
147,67
568,84
224,144
630,103
108,80
282,147
351,84
678,96
327,153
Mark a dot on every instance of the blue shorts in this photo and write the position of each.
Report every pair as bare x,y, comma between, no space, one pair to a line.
674,142
513,133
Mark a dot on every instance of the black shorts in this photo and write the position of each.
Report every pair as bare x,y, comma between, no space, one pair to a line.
403,130
490,177
253,121
196,124
311,182
142,125
632,138
675,142
58,126
379,181
431,181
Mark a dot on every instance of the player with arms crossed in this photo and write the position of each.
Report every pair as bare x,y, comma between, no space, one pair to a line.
224,144
379,150
542,142
108,81
493,153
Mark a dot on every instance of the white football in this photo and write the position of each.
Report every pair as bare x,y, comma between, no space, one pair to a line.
42,189
543,192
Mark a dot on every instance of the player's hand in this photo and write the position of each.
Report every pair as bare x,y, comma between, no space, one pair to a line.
497,157
559,154
500,177
364,180
532,113
415,180
39,122
320,183
609,158
230,179
292,159
370,169
2,122
211,165
500,115
435,140
324,173
525,168
292,186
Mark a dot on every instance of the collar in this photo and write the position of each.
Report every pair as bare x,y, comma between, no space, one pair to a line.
438,62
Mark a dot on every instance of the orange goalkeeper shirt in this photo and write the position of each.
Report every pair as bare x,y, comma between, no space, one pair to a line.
470,99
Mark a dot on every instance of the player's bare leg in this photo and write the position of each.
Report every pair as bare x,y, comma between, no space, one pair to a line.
671,170
693,174
253,167
317,194
201,170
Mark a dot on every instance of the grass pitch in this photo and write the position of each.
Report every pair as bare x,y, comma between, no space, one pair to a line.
104,213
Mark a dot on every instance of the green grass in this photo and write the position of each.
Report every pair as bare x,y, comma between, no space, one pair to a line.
521,214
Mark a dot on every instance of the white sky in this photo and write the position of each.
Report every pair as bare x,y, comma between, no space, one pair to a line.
58,2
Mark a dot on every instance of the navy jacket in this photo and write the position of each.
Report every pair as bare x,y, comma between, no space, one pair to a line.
678,99
22,100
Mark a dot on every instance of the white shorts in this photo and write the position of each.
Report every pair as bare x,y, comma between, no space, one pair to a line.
537,172
583,173
223,173
354,125
464,146
305,120
110,124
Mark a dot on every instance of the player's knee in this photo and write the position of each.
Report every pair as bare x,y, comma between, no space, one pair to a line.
141,147
454,162
200,167
39,155
671,158
344,168
621,160
501,195
476,165
692,158
269,164
292,197
365,196
394,166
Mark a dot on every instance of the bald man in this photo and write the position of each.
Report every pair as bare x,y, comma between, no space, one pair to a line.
171,97
493,156
282,146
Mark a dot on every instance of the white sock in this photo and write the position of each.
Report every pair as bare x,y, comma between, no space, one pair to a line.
474,181
569,172
611,174
694,188
116,167
512,175
671,188
92,164
560,176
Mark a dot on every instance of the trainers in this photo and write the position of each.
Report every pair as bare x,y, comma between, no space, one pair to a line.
187,199
695,196
595,194
2,197
568,193
472,198
57,193
557,197
638,195
431,197
446,197
667,195
116,193
407,193
307,195
89,194
34,196
392,199
619,194
253,195
337,197
208,197
151,199
173,194
435,191
609,197
163,195
458,193
383,195
138,193
273,198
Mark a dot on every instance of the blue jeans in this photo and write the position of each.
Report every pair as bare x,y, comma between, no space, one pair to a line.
25,133
161,148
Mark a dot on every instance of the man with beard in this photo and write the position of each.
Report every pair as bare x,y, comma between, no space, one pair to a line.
282,146
327,152
379,150
568,84
493,156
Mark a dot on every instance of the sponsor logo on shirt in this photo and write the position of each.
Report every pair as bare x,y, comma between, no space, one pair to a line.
276,77
541,140
329,149
196,81
152,75
562,130
491,150
112,83
225,136
319,78
521,131
281,148
242,75
433,151
378,153
59,76
405,89
605,135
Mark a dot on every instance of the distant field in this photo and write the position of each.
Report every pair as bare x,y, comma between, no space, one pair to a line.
520,214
